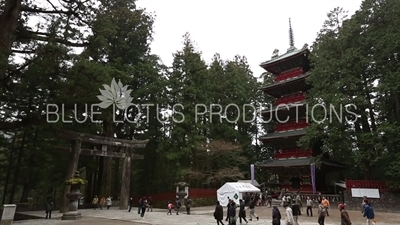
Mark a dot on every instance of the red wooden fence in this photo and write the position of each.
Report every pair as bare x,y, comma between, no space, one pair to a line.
170,196
376,184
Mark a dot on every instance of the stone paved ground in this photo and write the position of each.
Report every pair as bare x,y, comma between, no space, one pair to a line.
200,215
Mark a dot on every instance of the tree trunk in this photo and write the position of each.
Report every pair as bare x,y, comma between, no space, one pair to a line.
31,164
8,24
72,168
9,168
117,179
107,163
126,179
100,172
17,169
89,187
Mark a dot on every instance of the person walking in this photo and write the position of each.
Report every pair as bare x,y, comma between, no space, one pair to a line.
232,213
321,214
143,209
227,209
242,211
109,202
188,204
344,215
369,213
140,203
289,215
252,210
170,207
150,204
102,203
49,208
219,214
178,205
309,206
276,216
130,204
296,213
326,204
95,202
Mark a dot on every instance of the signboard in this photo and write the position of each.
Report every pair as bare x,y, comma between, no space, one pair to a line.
8,212
360,192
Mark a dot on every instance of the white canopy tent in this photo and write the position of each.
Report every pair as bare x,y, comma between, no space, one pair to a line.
234,191
249,182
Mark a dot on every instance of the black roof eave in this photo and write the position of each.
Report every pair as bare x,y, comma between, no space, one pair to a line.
284,82
286,134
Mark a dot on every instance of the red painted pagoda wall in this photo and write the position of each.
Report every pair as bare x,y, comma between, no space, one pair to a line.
298,123
289,74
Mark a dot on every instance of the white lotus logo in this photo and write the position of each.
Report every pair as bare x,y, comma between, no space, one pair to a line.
116,94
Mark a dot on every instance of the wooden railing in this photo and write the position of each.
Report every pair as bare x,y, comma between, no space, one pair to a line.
289,74
375,184
292,125
290,99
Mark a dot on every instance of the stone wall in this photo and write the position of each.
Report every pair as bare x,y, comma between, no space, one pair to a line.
388,202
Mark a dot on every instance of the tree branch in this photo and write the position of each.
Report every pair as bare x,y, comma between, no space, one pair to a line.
23,51
39,10
40,36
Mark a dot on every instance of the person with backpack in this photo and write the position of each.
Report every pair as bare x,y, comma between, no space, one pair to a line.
369,213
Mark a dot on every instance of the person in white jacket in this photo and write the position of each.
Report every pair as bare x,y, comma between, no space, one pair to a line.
289,215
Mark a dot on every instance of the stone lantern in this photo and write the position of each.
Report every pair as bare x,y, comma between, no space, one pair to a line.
75,182
181,190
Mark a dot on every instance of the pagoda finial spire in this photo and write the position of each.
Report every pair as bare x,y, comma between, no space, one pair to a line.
291,38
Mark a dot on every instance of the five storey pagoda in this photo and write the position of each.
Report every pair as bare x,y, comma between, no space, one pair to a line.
290,163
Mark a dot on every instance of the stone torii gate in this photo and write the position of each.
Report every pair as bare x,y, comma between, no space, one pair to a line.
75,150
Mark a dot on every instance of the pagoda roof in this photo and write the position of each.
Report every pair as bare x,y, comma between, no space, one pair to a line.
276,89
284,134
290,54
280,83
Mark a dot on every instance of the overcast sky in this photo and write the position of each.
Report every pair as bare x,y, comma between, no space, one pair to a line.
253,28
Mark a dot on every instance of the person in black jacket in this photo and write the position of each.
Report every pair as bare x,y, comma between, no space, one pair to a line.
276,216
130,204
227,209
242,211
49,208
232,213
296,212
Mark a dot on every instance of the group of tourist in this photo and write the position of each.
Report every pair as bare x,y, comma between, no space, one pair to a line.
261,199
188,204
293,211
104,202
231,217
143,204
